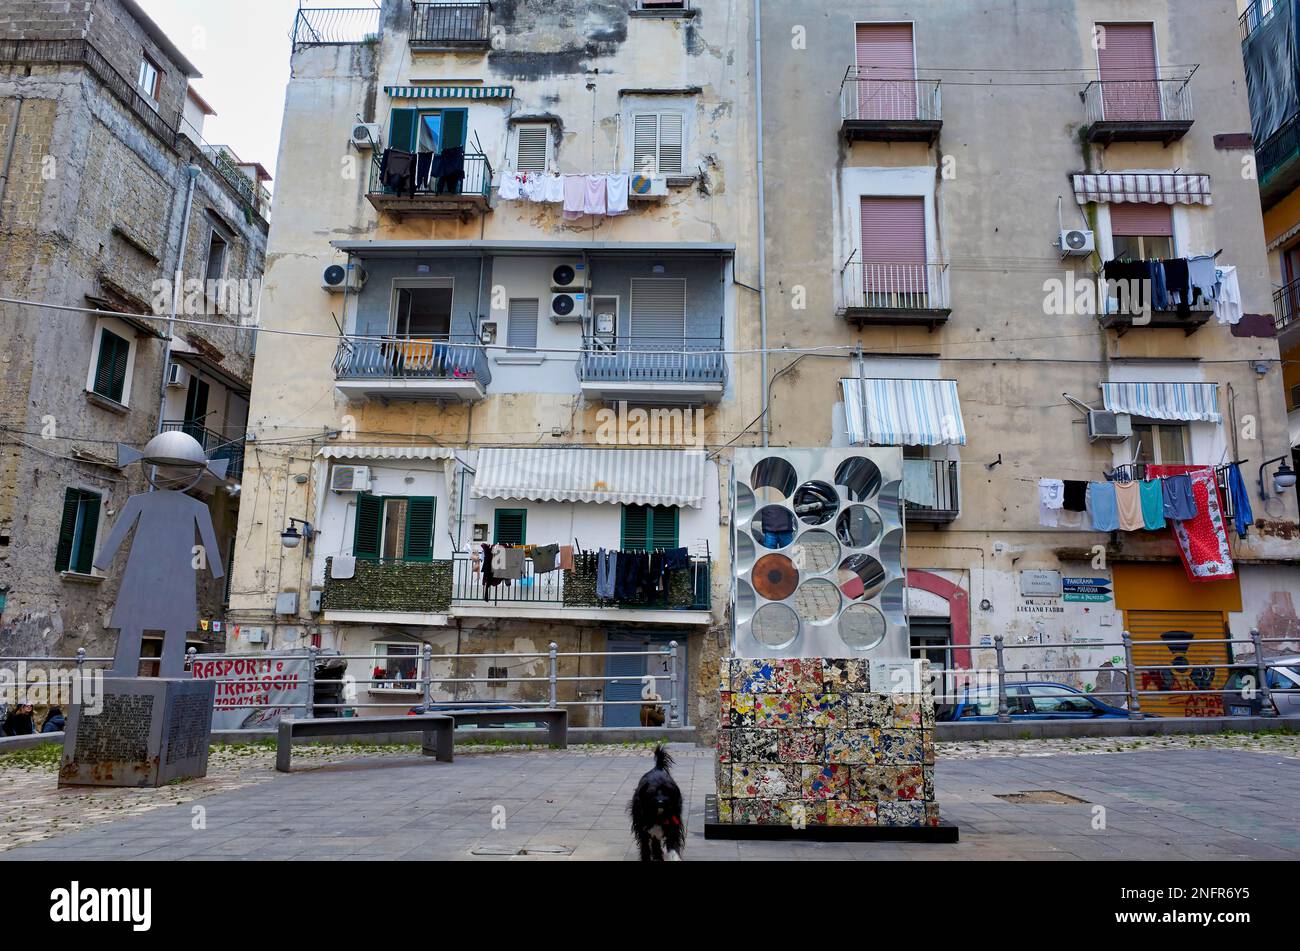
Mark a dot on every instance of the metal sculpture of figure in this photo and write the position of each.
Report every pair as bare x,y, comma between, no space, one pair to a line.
159,590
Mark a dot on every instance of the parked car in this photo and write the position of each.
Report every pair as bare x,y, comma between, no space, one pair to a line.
1031,701
1283,675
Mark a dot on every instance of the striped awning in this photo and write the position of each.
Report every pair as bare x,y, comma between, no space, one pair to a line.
1157,188
616,476
386,452
450,92
886,412
1190,402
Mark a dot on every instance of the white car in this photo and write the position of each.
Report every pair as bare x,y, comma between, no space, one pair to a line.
1283,675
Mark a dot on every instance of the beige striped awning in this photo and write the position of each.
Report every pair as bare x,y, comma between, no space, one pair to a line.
615,476
1157,188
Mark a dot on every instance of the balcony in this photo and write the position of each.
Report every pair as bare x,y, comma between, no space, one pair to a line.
938,478
1277,161
1286,308
894,294
335,26
654,370
1258,13
460,197
228,446
1145,110
1124,309
394,592
411,368
889,110
451,26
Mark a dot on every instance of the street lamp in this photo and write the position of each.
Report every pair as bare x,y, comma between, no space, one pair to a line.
292,538
1283,478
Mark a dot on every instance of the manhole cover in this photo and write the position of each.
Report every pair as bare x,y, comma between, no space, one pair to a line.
1042,797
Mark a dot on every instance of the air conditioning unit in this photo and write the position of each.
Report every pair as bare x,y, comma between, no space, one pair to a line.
568,308
350,479
365,135
338,278
177,375
1109,426
647,187
569,277
1076,242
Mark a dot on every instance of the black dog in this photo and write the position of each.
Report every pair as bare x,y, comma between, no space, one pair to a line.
656,810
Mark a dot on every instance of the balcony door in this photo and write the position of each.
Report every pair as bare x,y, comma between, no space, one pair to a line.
1127,63
196,410
427,133
657,327
886,71
894,252
423,311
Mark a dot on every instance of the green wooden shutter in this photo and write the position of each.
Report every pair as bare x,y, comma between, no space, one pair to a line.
419,528
110,369
369,526
455,127
84,557
67,530
402,125
646,528
511,526
663,527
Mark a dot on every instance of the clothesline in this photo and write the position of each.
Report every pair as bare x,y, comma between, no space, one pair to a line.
603,194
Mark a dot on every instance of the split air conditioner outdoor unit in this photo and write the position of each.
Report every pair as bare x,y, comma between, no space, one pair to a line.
365,135
1109,426
647,187
338,278
569,277
568,307
1076,242
177,375
350,479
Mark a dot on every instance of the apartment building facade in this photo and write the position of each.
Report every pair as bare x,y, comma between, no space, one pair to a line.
104,202
951,207
479,355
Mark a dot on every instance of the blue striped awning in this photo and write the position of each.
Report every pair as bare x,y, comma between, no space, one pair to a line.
450,92
903,412
1192,402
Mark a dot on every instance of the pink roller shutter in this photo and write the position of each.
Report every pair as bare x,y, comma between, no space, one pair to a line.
1128,73
893,246
886,71
1138,220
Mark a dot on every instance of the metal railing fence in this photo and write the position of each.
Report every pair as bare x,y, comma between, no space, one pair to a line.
870,96
331,26
1138,100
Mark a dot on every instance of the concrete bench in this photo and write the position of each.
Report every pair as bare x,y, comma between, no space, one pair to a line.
555,721
437,730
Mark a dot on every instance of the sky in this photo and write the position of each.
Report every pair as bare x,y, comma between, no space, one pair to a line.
242,49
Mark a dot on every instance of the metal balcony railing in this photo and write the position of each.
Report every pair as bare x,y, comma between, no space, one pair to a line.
1257,14
451,24
1139,100
398,357
653,360
866,95
228,446
1286,305
943,474
903,287
332,26
548,588
1278,149
477,180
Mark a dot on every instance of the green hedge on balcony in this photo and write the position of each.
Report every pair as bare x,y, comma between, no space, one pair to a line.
399,587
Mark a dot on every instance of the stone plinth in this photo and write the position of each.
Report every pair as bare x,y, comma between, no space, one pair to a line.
145,731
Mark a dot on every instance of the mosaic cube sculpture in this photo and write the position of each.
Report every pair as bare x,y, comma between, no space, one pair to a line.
805,741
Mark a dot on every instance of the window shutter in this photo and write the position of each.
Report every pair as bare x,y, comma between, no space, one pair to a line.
646,528
419,528
67,530
530,148
455,126
110,370
893,230
636,528
671,142
511,526
521,326
663,527
84,557
658,310
1134,219
369,526
645,142
401,129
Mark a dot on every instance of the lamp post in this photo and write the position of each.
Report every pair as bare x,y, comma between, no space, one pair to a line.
292,538
1283,478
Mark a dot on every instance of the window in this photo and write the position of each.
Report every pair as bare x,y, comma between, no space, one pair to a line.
423,310
886,63
658,142
149,79
532,148
648,527
109,366
215,270
1126,61
1141,232
397,667
1058,700
394,528
511,527
1161,443
893,259
521,326
77,532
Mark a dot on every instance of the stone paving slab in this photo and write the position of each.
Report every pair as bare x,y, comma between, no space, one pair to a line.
1180,804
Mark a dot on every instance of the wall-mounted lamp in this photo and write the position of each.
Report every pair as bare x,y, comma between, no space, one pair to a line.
1283,478
292,538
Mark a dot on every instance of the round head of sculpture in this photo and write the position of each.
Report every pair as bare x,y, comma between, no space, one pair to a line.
174,460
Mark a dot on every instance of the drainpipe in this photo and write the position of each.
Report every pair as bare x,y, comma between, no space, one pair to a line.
9,150
192,171
762,212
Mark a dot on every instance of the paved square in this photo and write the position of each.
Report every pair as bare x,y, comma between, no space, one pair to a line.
1184,803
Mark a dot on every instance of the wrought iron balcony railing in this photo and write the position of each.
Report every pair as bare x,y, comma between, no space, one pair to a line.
1139,101
397,357
653,360
900,287
477,179
451,24
335,26
867,96
228,446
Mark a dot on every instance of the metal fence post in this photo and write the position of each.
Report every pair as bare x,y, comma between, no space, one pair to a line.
554,673
427,683
310,711
1134,704
1261,671
673,719
1004,712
